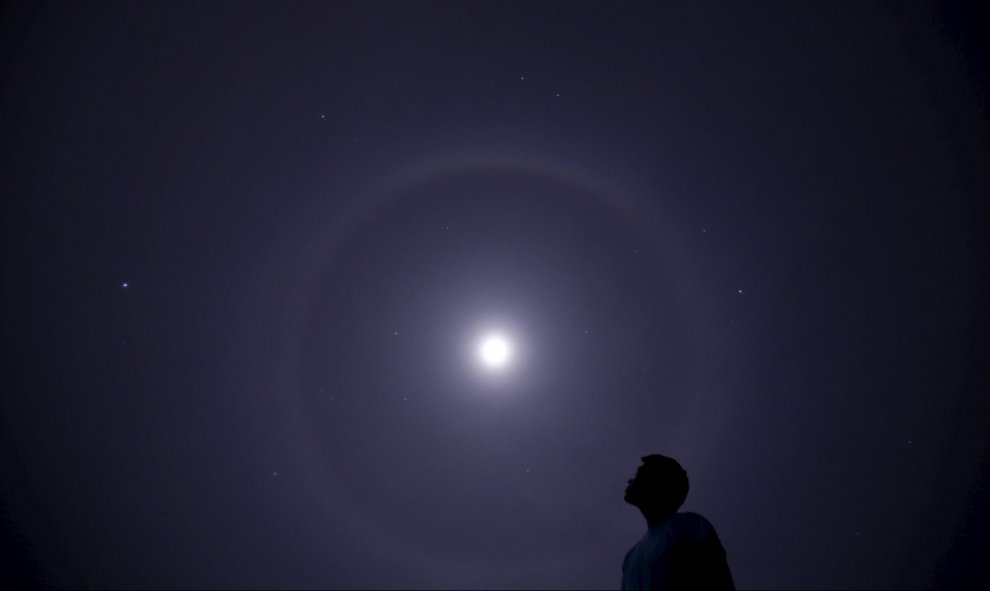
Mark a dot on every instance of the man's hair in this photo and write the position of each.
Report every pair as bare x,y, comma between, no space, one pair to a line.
666,480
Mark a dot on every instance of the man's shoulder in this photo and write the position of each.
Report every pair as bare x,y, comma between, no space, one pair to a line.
692,518
692,525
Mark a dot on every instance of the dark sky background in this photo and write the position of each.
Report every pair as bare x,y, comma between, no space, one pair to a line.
248,250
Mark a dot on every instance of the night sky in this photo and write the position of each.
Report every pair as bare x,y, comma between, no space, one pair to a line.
250,252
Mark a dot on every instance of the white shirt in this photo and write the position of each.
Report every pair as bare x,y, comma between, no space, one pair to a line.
683,550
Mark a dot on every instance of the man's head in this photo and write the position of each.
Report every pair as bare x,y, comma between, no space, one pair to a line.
659,487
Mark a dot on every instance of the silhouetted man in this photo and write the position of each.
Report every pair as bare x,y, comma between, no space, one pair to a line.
679,550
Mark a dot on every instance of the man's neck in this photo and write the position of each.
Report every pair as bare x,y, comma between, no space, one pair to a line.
654,519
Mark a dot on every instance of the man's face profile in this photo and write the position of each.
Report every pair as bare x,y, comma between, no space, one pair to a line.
660,484
636,488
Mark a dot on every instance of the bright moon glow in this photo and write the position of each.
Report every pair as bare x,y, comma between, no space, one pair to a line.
494,351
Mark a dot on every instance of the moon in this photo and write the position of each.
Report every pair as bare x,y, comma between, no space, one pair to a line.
494,351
